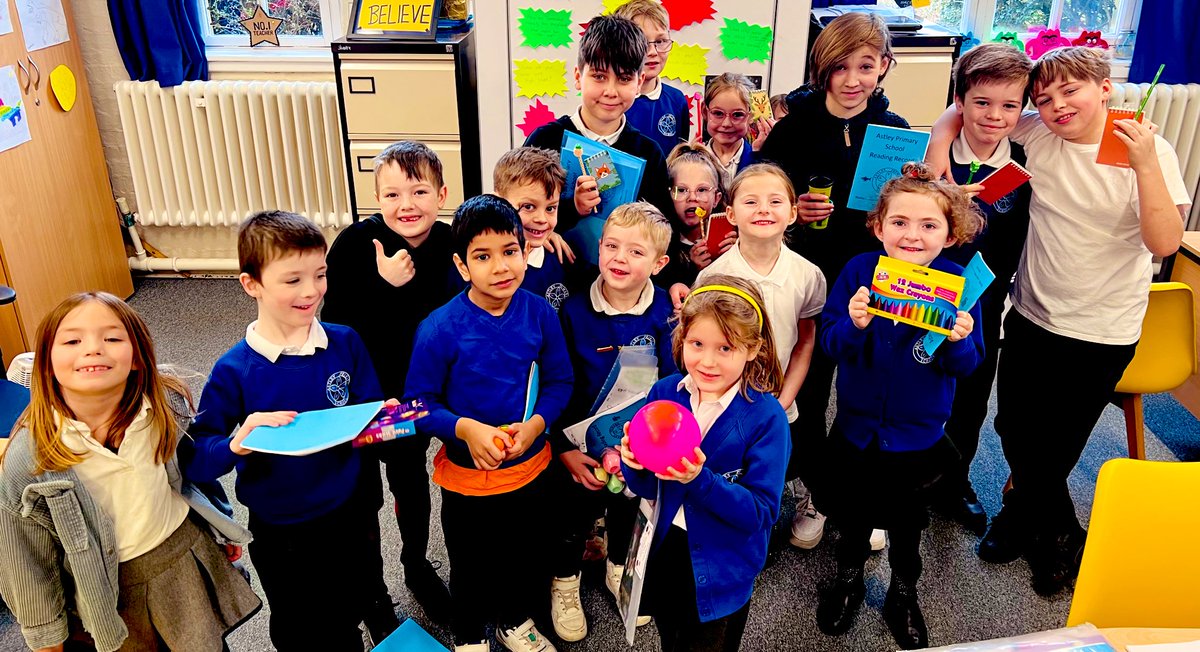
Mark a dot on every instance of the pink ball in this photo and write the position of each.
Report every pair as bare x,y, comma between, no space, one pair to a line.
661,433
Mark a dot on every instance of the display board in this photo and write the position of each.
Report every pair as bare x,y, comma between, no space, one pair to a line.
710,37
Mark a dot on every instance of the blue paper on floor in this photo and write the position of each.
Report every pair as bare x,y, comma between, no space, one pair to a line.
410,637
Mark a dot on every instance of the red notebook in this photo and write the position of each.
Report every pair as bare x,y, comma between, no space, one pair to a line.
1112,150
1003,181
718,228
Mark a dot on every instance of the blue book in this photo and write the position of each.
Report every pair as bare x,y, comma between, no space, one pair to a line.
626,167
885,150
410,637
978,277
313,431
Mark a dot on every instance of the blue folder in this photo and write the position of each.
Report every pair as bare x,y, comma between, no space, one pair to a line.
586,234
313,431
410,637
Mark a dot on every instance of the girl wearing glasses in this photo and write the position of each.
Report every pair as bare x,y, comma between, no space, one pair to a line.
727,116
697,187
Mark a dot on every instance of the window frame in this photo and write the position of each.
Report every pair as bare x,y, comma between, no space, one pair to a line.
979,17
233,45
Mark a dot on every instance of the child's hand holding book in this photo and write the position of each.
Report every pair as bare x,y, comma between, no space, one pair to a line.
1138,138
587,194
964,323
273,419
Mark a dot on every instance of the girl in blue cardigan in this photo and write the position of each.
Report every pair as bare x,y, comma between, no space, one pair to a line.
715,515
888,442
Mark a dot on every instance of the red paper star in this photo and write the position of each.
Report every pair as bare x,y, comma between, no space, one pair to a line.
536,115
686,12
583,28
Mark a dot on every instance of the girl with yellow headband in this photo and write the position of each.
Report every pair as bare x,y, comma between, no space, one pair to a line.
715,516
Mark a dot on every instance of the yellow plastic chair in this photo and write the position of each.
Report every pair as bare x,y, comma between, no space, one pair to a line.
1165,357
1140,567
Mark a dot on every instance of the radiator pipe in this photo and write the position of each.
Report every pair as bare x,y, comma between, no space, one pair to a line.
183,265
129,222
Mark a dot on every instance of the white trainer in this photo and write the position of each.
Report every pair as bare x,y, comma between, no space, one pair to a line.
566,610
612,579
524,638
481,646
878,540
808,525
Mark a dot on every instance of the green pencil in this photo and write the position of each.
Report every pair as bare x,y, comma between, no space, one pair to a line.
974,169
1154,82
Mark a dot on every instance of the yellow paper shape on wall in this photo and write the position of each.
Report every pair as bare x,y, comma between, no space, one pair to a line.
534,77
62,83
611,5
688,64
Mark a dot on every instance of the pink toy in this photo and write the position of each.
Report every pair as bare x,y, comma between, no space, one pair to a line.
610,460
1091,40
1046,40
662,433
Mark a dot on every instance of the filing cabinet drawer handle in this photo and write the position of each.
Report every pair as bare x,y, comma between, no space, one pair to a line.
370,163
361,85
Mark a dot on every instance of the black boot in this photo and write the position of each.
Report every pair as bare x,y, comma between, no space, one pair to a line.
964,508
1006,539
1054,560
423,582
839,604
903,616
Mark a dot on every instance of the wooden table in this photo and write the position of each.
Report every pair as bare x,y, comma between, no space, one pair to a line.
1187,270
1122,636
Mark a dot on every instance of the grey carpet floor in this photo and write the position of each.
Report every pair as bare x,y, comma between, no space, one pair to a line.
194,321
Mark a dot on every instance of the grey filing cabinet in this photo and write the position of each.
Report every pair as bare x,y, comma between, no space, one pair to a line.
391,90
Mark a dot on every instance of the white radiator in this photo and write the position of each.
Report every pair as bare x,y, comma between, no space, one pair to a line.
210,153
1175,108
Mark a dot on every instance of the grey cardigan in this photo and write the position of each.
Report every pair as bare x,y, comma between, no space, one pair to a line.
50,524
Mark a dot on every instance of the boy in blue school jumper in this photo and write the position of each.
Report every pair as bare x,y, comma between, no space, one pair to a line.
531,180
289,362
612,53
622,308
660,111
989,91
471,365
387,273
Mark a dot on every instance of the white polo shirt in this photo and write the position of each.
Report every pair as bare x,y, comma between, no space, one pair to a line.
793,290
1085,272
128,485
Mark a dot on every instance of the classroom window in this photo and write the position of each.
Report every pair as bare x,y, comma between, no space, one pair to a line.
306,23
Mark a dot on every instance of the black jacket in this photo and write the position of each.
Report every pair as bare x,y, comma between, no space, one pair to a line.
810,141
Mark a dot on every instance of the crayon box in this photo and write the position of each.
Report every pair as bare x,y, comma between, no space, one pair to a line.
391,423
915,295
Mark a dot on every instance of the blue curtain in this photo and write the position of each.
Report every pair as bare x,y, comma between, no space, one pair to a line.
160,41
1167,33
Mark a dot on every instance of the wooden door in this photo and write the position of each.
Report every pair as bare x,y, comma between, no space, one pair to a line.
59,230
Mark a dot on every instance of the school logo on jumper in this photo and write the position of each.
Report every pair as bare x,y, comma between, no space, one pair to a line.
919,352
1005,203
337,388
642,340
667,125
733,476
557,295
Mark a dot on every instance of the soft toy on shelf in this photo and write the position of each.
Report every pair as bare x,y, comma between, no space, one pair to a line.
1009,38
1046,40
1091,40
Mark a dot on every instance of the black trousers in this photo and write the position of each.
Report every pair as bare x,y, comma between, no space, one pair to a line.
314,574
497,550
1051,391
904,548
576,508
809,430
670,596
970,406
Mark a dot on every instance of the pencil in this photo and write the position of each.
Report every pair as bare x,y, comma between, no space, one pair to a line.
1154,82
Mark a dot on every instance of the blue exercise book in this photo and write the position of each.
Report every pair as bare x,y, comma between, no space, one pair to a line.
978,277
629,169
410,637
314,431
885,150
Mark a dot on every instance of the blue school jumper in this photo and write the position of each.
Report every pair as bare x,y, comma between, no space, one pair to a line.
666,120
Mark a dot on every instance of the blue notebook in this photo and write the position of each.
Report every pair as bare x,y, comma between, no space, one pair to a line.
978,277
885,150
410,637
314,431
626,167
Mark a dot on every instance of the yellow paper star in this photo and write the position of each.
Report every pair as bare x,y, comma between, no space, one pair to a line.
262,28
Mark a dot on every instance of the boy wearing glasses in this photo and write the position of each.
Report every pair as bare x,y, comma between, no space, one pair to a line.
608,76
660,111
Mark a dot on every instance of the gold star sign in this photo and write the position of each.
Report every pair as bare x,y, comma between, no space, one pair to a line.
262,28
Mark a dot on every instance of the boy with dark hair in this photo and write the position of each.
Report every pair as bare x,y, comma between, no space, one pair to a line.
989,91
531,180
387,273
660,110
472,363
612,54
289,362
1079,298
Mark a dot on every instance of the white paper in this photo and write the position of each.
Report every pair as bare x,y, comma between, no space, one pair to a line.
5,19
14,128
1193,646
42,22
578,432
629,595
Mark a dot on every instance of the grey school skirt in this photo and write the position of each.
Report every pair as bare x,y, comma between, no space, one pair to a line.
184,595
